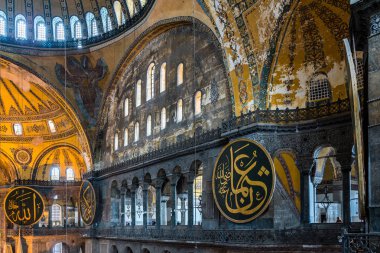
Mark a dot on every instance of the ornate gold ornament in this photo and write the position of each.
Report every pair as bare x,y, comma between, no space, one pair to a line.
87,202
23,206
243,180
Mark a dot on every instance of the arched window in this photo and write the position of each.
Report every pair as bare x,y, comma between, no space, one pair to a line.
39,28
179,110
138,93
106,20
163,118
78,30
198,103
197,196
126,140
92,27
52,127
116,141
75,27
3,24
150,82
58,248
180,74
58,29
126,107
56,215
131,8
70,176
139,208
119,13
17,128
137,132
20,22
149,126
163,77
319,90
54,173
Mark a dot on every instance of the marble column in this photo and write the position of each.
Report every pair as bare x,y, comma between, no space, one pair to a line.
122,208
190,202
145,205
304,164
164,210
133,208
346,181
158,206
174,204
50,223
183,211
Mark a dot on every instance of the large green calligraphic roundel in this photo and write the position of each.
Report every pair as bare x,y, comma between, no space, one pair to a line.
87,202
23,206
243,180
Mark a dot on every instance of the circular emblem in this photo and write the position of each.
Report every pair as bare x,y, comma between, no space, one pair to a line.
23,206
87,202
22,156
243,180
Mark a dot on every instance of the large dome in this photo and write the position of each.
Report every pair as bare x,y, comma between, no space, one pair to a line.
67,23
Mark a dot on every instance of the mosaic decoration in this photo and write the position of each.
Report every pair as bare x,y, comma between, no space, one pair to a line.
22,156
243,180
84,79
87,202
23,206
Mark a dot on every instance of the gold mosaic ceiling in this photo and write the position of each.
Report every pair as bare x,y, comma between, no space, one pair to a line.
34,121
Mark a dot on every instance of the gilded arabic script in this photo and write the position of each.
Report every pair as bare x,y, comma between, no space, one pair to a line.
243,180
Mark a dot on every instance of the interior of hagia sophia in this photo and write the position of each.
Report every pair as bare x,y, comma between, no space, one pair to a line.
189,126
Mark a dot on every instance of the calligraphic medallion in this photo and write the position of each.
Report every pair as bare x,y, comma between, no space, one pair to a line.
23,206
243,180
87,202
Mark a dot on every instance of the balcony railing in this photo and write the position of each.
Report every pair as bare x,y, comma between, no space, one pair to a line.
366,243
299,116
247,237
47,231
20,182
286,116
129,23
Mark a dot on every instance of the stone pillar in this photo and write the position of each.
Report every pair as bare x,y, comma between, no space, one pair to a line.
164,209
158,205
50,224
346,186
184,208
190,203
304,164
174,203
145,205
373,122
122,208
133,208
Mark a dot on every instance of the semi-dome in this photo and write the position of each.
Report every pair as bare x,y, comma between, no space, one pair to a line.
67,23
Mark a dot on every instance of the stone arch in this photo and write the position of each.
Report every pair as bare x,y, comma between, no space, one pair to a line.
145,250
114,249
128,250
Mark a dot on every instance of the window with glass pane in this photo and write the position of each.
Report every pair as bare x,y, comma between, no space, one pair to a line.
198,103
70,174
137,132
126,137
179,110
126,107
17,128
94,28
78,30
2,26
60,31
41,31
149,126
163,118
57,248
138,93
52,126
56,215
116,141
54,173
21,29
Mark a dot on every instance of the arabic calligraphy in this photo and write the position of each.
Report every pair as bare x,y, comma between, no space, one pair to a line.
23,206
243,180
87,202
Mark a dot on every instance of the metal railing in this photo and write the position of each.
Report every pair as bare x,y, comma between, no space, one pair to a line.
251,237
20,182
258,116
129,23
360,242
287,115
47,231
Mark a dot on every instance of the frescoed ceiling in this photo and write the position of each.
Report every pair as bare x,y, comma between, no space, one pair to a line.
34,121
